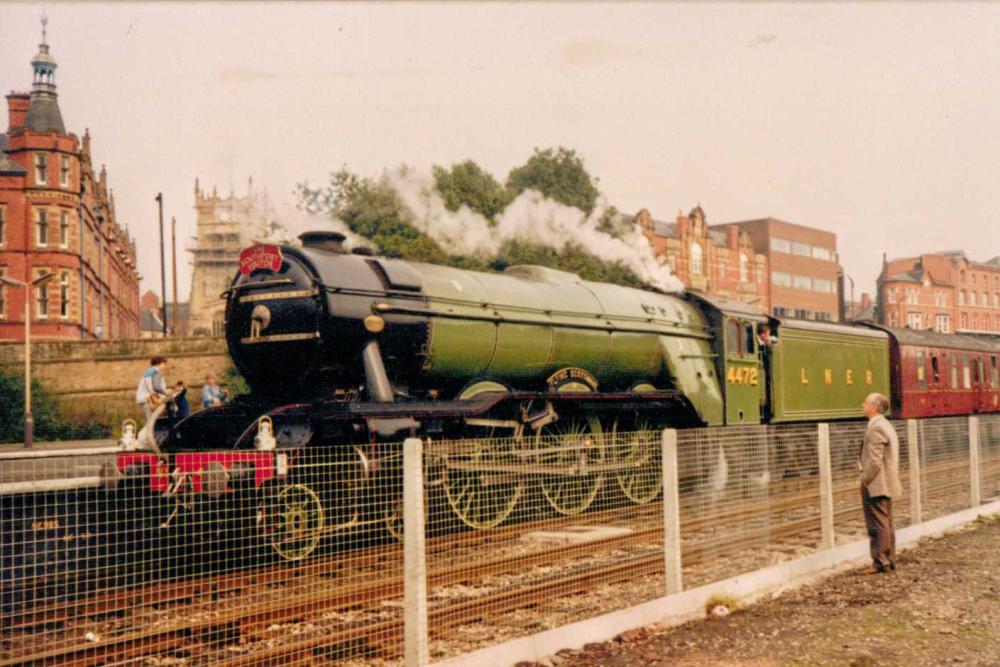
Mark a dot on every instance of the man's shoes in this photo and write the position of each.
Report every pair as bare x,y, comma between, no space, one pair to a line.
872,569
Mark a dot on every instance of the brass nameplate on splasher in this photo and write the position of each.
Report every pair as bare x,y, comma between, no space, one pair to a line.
284,294
279,338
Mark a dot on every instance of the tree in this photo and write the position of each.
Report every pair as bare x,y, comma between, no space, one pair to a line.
50,423
571,257
371,209
469,184
558,175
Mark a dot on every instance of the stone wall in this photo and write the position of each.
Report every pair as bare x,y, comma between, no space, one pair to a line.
98,379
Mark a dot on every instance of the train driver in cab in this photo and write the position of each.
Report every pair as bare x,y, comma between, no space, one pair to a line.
765,339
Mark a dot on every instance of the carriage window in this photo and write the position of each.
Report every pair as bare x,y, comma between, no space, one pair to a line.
749,338
994,373
966,379
733,337
921,371
976,371
954,371
935,371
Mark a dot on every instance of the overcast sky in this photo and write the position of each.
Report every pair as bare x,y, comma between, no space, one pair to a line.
877,122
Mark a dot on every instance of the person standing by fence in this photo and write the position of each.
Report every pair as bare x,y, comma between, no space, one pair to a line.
879,463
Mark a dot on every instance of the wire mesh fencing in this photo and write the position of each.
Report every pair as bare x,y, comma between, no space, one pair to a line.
944,465
539,529
989,447
277,557
207,558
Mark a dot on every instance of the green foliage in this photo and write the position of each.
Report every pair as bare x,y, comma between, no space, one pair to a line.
50,422
558,175
571,258
469,184
372,209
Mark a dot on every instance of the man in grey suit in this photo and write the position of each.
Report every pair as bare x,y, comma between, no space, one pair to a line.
879,462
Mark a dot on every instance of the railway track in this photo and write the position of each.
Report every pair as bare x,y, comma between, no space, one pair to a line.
217,615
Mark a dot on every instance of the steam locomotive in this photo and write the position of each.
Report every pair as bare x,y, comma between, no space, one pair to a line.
530,376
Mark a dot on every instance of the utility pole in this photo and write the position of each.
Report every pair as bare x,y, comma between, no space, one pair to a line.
173,271
163,267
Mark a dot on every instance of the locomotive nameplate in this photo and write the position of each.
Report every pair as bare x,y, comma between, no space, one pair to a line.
283,294
279,338
259,257
571,375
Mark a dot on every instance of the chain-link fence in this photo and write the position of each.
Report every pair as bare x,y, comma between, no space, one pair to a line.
304,556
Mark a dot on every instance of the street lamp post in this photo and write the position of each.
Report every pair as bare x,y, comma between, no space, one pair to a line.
29,421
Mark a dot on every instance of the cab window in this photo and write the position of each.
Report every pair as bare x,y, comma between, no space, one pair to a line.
732,337
749,339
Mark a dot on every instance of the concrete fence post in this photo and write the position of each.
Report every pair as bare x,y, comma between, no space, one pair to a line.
415,643
671,514
916,495
974,494
827,535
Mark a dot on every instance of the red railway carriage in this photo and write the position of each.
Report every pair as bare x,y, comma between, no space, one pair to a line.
936,374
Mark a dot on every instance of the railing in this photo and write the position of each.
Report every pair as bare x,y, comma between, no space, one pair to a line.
352,555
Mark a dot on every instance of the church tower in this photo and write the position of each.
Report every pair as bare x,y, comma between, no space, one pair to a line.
225,225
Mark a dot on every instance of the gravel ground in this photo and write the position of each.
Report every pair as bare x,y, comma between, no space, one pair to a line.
941,607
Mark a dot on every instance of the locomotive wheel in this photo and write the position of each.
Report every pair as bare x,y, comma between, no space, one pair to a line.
639,451
296,521
482,499
584,443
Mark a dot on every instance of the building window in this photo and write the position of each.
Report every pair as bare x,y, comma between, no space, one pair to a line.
963,320
722,268
823,285
42,296
64,171
961,297
42,227
824,317
63,229
41,168
914,320
64,294
760,273
890,295
984,300
802,313
996,295
780,278
780,311
943,323
744,268
821,253
892,319
780,245
975,321
801,249
802,282
695,258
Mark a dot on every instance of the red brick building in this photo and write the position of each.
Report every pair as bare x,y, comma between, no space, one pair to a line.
805,276
719,260
58,216
943,292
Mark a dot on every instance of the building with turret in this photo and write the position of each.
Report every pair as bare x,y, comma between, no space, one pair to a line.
57,216
225,225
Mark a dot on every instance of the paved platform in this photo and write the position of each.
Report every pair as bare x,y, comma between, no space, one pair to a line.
939,608
47,463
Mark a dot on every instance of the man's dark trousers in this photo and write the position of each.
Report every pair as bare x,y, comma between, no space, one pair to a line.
881,531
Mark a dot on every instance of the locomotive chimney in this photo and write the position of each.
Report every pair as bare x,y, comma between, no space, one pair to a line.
329,241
